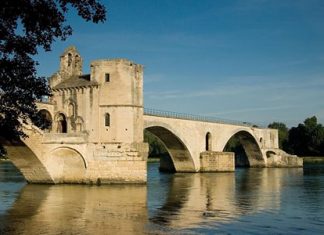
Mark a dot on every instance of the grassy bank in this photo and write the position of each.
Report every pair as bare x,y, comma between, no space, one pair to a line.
313,159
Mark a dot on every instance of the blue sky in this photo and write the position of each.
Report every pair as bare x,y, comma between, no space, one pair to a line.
250,60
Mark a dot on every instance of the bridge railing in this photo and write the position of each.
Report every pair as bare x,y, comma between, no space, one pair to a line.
170,114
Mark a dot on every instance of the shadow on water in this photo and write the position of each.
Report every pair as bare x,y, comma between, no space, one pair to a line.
8,172
177,193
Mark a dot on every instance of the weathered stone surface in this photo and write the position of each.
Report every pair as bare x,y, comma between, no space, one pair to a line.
211,161
279,158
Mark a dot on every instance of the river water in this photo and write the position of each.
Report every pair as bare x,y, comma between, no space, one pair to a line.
249,201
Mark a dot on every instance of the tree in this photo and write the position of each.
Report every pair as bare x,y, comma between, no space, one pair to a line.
307,138
282,133
156,147
26,26
315,135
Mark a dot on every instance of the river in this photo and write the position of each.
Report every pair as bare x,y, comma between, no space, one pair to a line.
249,201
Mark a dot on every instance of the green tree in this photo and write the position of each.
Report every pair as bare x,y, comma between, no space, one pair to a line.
282,134
156,147
25,27
307,138
314,135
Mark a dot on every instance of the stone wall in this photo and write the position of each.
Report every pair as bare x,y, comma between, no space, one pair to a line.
211,161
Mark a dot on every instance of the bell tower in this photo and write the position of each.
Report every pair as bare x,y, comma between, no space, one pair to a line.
70,63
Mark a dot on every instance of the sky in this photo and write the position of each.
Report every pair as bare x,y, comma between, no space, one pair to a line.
257,61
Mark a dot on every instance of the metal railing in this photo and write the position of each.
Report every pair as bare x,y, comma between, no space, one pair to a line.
185,116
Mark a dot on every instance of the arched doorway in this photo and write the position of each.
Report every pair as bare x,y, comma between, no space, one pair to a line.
61,123
246,149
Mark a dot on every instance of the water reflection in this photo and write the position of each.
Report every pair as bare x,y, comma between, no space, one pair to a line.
67,209
196,199
274,200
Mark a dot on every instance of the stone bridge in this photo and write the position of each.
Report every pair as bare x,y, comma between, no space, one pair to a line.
190,140
96,132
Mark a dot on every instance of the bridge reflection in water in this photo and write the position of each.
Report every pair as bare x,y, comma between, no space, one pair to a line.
169,203
194,200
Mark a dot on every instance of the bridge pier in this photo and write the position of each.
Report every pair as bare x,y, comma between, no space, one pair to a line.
31,167
211,161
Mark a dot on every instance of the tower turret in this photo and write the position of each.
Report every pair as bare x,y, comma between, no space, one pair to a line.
70,63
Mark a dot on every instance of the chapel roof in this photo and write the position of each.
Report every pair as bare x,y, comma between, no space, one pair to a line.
76,81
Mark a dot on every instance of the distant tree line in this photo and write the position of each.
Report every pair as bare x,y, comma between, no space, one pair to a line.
307,139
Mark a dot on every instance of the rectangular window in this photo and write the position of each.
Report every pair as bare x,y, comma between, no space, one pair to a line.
107,77
107,119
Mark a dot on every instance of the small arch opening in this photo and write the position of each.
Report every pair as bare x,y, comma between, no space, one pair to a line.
69,59
77,61
208,142
71,110
61,123
270,154
43,120
79,124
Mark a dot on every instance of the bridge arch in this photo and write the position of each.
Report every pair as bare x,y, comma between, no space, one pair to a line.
66,165
250,145
180,155
46,121
23,155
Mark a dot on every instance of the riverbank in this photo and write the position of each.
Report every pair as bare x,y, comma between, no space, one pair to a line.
313,159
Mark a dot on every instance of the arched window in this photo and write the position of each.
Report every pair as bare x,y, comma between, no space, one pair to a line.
76,61
61,123
71,110
79,124
69,59
107,119
208,142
